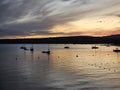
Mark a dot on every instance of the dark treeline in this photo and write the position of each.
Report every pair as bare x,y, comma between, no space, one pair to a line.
113,39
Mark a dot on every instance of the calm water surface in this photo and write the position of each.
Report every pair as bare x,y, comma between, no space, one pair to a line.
77,68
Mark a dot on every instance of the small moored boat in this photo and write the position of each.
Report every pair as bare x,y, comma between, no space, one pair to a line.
95,47
116,50
66,47
32,49
47,52
24,48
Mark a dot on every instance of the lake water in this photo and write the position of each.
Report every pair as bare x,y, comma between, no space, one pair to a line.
77,68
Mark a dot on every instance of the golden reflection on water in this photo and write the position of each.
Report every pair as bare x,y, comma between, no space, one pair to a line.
91,60
100,66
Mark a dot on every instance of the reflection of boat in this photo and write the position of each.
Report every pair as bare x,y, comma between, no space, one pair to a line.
66,47
95,47
116,50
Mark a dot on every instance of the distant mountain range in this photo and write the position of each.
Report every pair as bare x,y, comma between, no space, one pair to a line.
113,39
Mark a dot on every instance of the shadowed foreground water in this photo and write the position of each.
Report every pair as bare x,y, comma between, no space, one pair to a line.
77,68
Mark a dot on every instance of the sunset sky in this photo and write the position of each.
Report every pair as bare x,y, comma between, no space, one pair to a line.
55,18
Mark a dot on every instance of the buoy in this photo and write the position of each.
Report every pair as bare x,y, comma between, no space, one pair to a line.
76,55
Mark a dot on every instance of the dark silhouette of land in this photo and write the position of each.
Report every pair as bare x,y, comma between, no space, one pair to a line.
113,39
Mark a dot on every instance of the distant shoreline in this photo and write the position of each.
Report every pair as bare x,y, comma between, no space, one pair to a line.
113,39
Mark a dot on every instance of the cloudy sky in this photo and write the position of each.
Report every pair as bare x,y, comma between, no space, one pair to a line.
54,18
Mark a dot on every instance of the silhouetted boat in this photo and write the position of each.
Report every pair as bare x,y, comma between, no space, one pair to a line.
48,51
95,47
23,47
66,47
32,49
116,50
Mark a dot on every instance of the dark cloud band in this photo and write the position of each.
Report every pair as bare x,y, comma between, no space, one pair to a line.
23,17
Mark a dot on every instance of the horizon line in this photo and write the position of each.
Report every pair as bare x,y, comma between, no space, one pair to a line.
59,37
